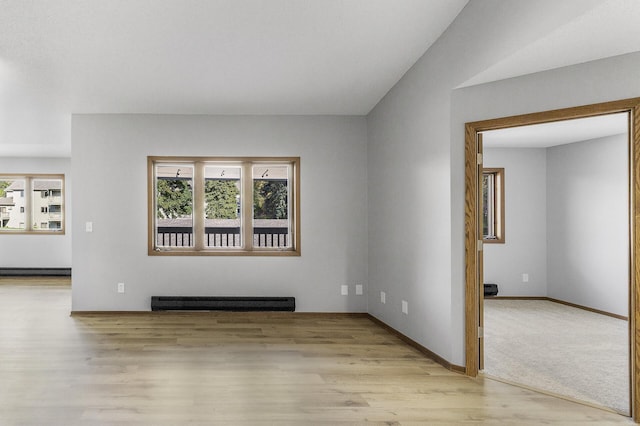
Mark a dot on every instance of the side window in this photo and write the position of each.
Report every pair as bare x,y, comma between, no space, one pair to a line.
31,203
271,195
493,205
46,204
174,205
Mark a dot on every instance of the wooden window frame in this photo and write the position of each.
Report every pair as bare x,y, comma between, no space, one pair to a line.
28,206
248,249
498,205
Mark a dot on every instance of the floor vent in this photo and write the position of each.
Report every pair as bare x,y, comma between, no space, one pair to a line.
204,303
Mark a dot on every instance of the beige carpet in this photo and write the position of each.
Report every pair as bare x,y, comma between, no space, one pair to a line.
560,349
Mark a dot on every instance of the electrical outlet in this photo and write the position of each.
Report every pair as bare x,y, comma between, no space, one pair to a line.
359,289
344,290
405,307
88,226
525,278
383,297
120,287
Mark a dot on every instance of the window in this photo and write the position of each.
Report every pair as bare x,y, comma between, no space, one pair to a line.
31,204
224,206
493,205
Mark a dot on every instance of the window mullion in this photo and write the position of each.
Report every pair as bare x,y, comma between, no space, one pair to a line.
198,206
247,206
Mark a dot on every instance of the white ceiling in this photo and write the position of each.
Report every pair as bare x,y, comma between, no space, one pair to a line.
608,28
557,133
217,56
338,57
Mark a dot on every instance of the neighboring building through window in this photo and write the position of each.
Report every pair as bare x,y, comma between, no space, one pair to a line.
222,206
31,203
493,205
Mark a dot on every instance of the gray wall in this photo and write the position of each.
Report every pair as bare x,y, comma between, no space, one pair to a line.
110,170
418,130
588,83
566,223
525,247
33,251
588,224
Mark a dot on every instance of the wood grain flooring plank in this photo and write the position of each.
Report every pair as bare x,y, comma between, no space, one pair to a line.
237,369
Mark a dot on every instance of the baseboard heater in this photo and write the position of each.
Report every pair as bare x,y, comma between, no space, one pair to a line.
35,272
206,303
491,289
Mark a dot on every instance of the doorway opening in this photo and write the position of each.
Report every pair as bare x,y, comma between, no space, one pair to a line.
559,322
474,241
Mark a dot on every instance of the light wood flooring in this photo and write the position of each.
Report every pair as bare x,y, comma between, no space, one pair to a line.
236,369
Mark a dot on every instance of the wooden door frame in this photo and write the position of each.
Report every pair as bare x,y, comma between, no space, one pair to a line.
472,278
